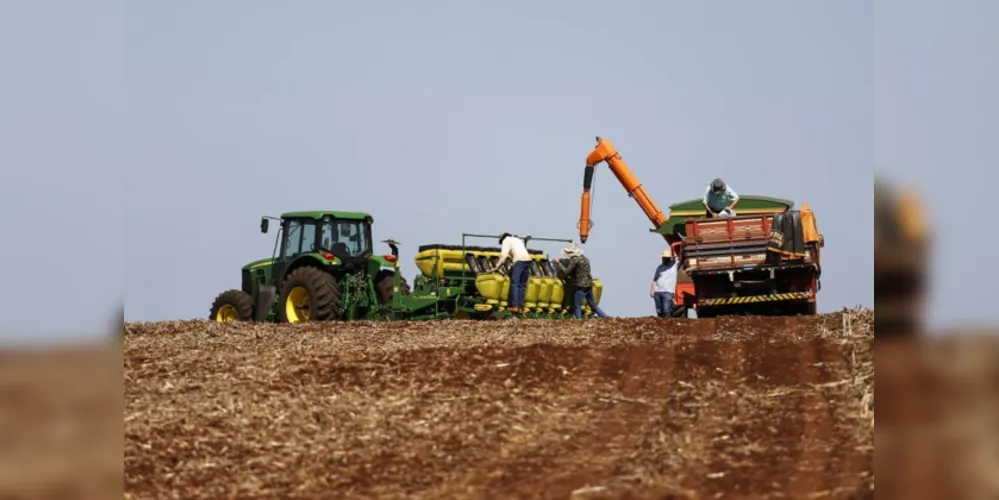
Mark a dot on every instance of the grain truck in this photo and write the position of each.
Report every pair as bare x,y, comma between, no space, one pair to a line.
764,261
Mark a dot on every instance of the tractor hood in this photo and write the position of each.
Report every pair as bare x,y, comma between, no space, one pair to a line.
258,263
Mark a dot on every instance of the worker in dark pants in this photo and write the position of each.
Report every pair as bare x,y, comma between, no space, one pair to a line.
664,285
513,248
576,272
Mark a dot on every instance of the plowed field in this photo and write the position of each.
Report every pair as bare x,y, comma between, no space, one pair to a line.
615,408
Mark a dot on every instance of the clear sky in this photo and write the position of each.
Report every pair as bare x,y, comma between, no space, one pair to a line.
444,117
63,168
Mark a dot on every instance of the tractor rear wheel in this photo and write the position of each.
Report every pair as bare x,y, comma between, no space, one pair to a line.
309,294
384,282
231,306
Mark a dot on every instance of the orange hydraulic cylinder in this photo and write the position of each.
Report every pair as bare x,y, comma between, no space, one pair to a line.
584,217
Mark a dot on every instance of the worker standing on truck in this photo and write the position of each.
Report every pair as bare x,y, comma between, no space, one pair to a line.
577,273
514,248
664,285
719,199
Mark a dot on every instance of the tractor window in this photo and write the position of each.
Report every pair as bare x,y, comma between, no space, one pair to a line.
308,237
292,238
346,238
299,237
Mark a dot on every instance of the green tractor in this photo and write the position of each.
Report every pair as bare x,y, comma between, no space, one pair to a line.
324,268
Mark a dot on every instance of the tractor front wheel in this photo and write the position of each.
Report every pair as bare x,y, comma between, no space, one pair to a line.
231,306
309,294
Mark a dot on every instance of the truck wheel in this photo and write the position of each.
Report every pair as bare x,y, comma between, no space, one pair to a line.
383,286
811,309
231,306
706,313
309,294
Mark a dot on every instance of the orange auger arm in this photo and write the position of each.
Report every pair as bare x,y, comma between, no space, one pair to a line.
604,151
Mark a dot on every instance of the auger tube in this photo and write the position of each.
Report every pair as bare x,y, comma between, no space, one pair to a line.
605,152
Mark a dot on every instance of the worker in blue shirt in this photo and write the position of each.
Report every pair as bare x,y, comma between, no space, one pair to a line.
719,199
664,285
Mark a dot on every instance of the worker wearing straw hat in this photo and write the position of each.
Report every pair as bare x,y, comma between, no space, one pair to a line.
664,284
577,273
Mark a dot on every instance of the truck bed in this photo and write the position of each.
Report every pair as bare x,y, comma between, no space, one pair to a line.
735,243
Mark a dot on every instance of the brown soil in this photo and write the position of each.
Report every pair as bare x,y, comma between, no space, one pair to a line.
636,408
59,410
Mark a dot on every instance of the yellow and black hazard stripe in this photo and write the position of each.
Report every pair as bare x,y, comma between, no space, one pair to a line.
753,299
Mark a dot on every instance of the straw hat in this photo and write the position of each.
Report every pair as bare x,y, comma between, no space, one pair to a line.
668,252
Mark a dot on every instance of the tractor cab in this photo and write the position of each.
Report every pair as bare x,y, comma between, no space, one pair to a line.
337,237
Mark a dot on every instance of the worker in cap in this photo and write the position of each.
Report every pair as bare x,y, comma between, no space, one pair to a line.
576,271
664,284
719,199
515,249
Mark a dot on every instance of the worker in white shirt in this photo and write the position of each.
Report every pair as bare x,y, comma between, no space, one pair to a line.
513,248
664,284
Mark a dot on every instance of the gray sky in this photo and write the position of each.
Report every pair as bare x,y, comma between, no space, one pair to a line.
62,168
444,117
474,116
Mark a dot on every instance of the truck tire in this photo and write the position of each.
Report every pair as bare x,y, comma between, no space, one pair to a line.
232,306
384,281
309,294
706,313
